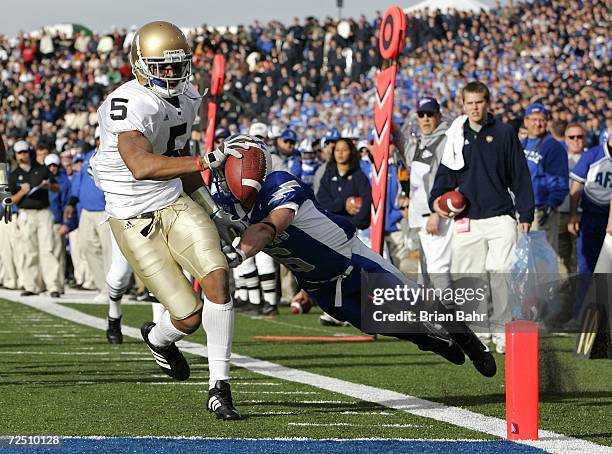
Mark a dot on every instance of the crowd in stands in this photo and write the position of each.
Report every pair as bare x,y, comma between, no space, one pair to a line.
315,76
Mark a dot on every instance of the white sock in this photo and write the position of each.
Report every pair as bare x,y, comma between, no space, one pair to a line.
164,332
218,322
158,311
268,285
114,308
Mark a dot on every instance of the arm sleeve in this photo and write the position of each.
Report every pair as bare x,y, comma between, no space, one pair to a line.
520,180
283,191
444,181
557,173
13,183
362,219
327,199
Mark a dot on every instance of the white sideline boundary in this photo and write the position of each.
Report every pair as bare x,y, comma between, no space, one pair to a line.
549,441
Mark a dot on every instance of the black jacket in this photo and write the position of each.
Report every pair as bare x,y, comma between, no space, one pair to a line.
335,189
494,164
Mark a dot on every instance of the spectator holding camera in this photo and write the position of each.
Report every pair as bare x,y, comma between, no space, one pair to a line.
548,166
30,184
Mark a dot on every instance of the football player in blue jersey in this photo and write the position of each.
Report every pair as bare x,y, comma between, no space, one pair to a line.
328,259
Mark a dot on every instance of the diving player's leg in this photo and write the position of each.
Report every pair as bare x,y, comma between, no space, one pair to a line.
459,332
117,281
195,245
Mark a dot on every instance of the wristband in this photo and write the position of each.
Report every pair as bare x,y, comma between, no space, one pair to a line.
269,224
200,163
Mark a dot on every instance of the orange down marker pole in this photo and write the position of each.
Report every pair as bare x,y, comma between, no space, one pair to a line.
522,380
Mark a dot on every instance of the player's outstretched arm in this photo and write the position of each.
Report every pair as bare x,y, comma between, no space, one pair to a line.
137,153
259,235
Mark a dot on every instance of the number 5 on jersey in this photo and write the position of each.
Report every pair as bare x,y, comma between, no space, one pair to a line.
118,109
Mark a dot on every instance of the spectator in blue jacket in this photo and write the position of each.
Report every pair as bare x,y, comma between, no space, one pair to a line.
345,189
286,147
310,163
57,202
548,166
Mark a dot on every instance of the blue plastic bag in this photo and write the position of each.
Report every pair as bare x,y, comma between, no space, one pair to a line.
535,279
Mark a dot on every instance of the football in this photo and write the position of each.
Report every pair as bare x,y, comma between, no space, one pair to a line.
452,203
245,175
298,308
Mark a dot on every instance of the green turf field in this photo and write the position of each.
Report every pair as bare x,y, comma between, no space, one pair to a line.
63,378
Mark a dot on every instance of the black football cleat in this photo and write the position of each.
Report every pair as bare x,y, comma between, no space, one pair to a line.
169,359
251,309
479,353
269,309
113,332
220,402
446,348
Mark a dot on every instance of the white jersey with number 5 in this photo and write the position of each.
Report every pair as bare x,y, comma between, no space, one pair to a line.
165,122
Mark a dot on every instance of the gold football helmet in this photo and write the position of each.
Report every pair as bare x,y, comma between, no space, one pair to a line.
161,58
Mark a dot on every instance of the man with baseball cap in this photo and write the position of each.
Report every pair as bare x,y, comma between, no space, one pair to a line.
30,184
286,146
57,203
548,165
423,158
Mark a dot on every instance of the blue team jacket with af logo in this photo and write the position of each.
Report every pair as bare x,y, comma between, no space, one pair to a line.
547,162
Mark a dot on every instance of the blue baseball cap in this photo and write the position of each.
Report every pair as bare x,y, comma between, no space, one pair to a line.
333,135
535,108
427,104
222,133
289,134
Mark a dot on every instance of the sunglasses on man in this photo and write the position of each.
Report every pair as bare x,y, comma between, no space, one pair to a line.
425,114
576,137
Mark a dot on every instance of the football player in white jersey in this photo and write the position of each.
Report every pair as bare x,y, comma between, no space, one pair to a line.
162,217
330,262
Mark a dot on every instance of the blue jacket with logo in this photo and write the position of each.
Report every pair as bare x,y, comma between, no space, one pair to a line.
548,167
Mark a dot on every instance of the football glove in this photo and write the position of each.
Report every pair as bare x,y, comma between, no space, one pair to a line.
235,256
6,204
229,226
228,147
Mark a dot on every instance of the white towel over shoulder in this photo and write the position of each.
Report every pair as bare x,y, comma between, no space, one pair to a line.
452,157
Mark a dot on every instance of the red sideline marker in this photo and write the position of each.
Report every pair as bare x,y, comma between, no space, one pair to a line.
522,380
318,338
392,36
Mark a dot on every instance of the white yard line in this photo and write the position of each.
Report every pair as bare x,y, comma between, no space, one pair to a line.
348,424
549,441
